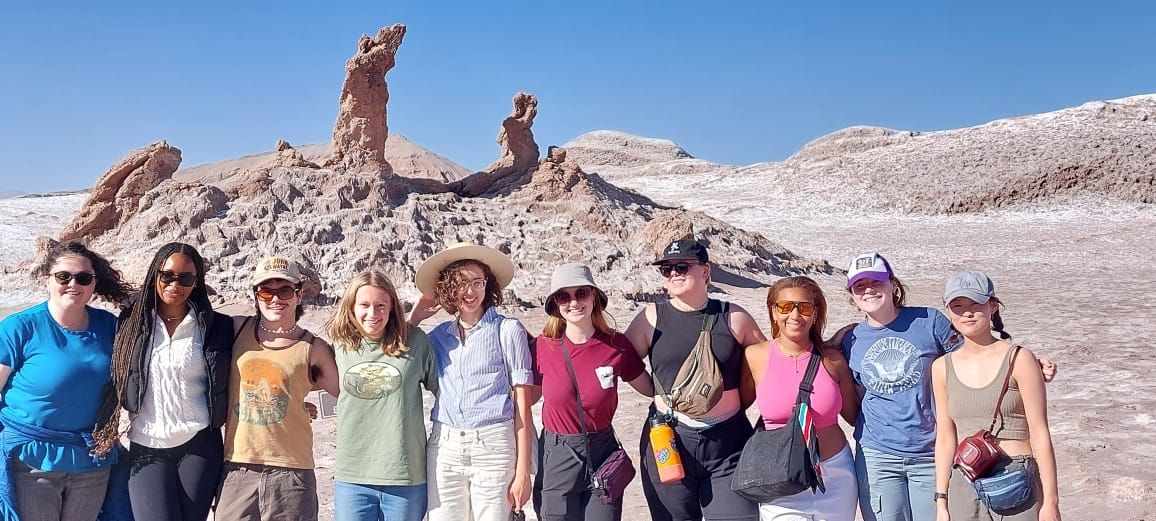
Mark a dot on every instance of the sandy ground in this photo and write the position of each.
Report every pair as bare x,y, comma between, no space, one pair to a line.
1078,285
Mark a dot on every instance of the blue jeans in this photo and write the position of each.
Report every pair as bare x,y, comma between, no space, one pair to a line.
895,488
353,502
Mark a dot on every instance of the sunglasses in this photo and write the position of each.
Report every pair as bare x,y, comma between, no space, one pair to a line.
83,278
564,297
283,293
785,307
680,268
185,279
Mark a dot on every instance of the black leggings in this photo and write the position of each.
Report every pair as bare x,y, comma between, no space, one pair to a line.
709,457
179,483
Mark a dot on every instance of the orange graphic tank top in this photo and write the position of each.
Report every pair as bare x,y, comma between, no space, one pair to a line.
268,424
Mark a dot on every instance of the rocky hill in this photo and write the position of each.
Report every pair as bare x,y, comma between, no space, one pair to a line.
1099,151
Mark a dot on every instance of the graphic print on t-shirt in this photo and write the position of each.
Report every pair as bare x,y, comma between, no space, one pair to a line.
891,365
264,399
371,380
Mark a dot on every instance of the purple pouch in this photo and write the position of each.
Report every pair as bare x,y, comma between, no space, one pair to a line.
610,479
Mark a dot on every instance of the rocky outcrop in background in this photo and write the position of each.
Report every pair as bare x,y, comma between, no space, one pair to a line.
361,128
114,199
1104,150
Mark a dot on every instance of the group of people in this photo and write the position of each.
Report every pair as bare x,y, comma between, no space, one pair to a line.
217,418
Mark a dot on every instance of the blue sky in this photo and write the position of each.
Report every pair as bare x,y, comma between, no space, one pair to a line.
82,83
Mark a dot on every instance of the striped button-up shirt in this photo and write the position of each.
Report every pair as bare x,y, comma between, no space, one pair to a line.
475,378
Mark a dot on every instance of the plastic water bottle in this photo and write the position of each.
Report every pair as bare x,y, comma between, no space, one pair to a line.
669,463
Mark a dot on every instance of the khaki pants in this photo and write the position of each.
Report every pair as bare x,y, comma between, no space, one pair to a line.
252,492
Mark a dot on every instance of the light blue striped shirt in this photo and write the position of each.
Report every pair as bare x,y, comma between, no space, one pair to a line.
475,379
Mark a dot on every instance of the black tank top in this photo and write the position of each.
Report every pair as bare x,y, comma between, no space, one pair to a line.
676,333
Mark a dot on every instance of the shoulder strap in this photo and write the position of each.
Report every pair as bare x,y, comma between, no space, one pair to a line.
581,409
1006,380
807,385
708,321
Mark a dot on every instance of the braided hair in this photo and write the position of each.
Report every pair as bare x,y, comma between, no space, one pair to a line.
136,329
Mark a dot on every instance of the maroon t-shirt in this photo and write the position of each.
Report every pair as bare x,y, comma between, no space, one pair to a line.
599,364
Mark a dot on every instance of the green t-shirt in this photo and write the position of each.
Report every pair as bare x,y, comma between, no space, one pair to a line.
380,426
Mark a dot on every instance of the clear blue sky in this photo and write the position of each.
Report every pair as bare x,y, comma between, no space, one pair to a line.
82,83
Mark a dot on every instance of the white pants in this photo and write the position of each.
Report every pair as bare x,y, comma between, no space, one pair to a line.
836,504
469,472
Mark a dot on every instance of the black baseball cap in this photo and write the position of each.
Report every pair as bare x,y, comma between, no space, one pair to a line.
683,249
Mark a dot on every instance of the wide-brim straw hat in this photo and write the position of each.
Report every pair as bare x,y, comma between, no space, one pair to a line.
570,276
499,264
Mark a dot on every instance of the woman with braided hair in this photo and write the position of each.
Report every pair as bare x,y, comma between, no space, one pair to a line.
170,371
54,359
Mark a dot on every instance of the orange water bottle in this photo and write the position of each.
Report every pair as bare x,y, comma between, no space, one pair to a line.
665,451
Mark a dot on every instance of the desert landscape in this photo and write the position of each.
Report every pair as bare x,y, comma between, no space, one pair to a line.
1059,208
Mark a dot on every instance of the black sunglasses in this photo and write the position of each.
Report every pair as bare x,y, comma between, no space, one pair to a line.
83,278
680,268
187,280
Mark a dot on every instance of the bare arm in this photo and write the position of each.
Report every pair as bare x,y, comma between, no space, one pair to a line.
754,364
744,327
323,367
945,437
520,487
641,330
837,366
643,384
535,394
424,308
1034,393
5,373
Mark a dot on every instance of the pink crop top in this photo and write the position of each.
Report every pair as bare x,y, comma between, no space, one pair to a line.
779,387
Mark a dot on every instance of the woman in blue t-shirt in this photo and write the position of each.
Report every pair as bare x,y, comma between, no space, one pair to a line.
890,353
54,361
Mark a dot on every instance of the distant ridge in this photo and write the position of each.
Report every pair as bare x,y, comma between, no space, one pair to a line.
1100,151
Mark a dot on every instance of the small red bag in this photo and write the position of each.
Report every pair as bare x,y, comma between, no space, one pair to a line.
976,454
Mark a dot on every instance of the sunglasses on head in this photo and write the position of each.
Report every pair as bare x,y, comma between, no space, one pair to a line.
185,279
283,293
564,297
785,307
680,268
83,278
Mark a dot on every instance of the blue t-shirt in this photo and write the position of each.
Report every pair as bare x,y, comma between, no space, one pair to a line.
893,363
57,379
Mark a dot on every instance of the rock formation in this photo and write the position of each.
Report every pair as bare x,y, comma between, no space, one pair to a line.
519,152
114,199
540,213
361,128
287,157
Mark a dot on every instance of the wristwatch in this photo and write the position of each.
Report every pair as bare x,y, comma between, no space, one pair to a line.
940,495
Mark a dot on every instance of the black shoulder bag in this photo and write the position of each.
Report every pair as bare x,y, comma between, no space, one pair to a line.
609,480
783,461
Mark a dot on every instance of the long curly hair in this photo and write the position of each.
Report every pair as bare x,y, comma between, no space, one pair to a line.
136,328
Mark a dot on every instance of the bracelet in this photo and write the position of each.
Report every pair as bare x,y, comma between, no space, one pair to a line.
940,495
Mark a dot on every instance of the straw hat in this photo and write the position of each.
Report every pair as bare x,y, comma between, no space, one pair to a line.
499,264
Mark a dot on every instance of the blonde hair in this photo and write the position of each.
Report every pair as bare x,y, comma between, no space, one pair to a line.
345,331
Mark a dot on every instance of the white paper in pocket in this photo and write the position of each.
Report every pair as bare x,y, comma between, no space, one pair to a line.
605,376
